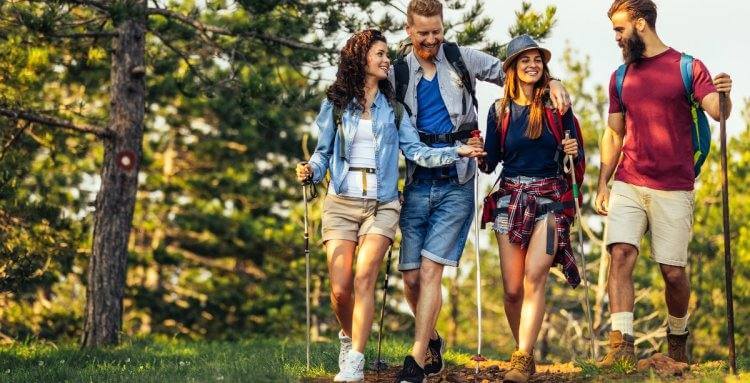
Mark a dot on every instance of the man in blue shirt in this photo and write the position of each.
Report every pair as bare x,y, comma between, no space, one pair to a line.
438,203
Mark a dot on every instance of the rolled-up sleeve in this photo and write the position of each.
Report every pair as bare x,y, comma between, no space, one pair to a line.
483,66
417,151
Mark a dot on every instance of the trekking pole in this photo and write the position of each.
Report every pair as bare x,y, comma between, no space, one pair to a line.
306,184
729,271
380,365
478,357
576,193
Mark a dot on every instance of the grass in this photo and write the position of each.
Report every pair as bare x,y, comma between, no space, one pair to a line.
160,359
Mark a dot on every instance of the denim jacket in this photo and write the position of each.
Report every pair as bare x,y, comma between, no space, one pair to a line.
388,141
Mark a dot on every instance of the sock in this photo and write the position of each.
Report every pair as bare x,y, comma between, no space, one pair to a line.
623,322
677,326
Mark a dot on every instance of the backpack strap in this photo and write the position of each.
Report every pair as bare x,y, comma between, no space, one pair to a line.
502,126
619,80
338,121
453,54
398,112
401,74
686,70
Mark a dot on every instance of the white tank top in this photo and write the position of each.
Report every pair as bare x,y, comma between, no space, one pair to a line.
362,155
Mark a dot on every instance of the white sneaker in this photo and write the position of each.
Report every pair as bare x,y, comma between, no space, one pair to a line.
344,348
353,368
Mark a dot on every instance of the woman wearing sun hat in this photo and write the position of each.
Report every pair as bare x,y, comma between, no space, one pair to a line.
531,226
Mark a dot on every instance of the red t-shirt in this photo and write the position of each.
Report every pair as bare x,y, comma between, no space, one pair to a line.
658,147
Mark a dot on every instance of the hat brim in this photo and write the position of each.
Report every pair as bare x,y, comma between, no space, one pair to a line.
546,56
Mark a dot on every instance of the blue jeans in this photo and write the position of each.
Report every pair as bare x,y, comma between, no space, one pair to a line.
435,221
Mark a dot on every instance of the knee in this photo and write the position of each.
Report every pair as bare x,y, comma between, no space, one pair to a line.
674,276
622,257
364,281
411,280
341,292
513,294
535,279
430,273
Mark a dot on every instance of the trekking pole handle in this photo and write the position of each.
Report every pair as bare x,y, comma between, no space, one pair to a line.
307,180
476,133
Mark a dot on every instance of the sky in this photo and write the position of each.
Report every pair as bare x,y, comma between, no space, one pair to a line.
712,31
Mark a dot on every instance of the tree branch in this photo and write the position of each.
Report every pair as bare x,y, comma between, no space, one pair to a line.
43,119
203,28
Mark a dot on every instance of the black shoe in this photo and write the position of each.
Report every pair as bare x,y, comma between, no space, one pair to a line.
410,372
433,364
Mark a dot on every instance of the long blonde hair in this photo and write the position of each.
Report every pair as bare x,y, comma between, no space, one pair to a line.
512,89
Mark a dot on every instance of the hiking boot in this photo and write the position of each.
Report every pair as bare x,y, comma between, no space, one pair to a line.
433,362
345,345
677,347
621,347
352,369
521,367
410,372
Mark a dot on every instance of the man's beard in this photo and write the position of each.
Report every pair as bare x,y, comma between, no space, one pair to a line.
426,54
632,49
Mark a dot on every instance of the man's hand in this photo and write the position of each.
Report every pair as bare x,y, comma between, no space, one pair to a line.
723,83
602,200
559,96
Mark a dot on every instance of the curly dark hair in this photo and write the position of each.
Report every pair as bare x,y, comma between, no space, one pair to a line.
350,77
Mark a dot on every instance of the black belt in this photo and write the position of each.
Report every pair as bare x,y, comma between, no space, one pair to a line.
463,133
550,207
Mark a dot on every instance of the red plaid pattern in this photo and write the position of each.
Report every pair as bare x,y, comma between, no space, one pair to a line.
522,213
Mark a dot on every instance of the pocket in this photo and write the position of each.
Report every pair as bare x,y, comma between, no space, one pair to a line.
389,133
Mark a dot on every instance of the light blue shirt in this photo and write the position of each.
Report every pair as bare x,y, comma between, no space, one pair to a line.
388,141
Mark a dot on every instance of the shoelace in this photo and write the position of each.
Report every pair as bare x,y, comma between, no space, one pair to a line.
520,362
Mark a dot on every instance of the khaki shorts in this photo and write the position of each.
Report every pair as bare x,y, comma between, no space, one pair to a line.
349,218
667,215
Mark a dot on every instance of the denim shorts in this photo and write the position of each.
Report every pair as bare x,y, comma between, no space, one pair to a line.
435,221
501,225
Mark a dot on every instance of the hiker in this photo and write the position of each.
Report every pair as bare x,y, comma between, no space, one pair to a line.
359,144
652,128
527,135
436,83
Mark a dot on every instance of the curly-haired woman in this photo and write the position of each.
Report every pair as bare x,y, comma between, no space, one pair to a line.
359,143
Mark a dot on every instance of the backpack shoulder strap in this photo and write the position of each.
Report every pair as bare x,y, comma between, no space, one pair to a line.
401,74
619,80
555,123
502,126
686,71
453,55
398,112
338,121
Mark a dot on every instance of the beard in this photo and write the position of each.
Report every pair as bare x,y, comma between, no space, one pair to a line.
632,49
426,54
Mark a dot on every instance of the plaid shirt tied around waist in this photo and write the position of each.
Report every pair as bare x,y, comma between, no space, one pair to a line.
522,210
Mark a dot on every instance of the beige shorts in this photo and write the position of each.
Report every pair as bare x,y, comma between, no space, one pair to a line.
349,218
666,215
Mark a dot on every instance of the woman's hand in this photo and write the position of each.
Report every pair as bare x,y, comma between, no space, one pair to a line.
470,151
570,146
304,172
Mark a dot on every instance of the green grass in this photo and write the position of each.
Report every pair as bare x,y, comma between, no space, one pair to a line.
160,359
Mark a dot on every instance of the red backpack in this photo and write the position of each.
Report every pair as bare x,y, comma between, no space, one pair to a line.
555,122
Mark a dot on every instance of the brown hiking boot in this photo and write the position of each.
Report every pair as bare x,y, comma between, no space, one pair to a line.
677,347
621,347
521,367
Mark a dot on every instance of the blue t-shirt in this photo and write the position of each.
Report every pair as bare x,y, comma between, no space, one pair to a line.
433,118
432,115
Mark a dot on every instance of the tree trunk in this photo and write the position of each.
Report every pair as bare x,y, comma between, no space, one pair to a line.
115,201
